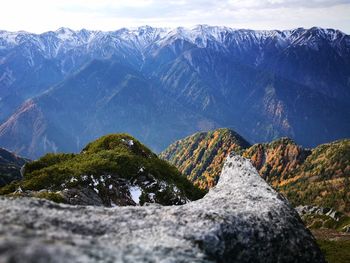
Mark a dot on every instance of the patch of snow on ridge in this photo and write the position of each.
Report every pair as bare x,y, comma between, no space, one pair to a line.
135,192
73,179
65,33
142,39
128,142
8,38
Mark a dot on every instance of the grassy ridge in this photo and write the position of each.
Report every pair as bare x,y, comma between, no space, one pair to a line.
116,154
335,251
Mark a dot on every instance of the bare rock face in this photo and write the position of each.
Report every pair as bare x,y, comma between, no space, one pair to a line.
242,219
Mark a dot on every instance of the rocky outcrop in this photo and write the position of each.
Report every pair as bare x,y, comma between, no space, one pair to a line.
317,210
242,219
316,217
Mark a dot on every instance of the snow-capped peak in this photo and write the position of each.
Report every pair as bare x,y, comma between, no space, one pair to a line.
143,38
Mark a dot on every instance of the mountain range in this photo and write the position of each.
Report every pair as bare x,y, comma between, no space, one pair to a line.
201,156
62,89
318,176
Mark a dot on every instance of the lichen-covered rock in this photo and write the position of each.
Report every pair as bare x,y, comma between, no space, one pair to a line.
242,219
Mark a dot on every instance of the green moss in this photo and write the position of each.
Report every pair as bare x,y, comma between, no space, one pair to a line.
335,251
116,154
316,224
329,223
315,221
47,160
343,221
121,143
7,189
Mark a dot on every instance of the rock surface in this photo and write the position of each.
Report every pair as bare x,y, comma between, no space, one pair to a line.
242,219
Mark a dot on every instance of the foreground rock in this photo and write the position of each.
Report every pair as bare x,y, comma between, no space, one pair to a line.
242,219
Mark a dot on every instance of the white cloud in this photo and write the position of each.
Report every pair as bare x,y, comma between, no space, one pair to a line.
269,4
43,15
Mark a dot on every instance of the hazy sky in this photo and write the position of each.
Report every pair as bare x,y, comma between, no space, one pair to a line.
43,15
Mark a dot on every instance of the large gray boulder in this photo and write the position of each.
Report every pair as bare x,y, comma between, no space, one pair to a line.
242,219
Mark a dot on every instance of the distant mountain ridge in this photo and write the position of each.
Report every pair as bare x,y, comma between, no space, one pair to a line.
318,176
263,84
200,156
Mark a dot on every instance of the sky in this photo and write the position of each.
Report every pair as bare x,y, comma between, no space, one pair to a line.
44,15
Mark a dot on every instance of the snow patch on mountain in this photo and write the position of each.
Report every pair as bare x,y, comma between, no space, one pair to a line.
142,39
